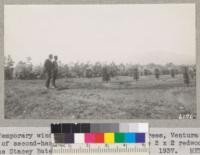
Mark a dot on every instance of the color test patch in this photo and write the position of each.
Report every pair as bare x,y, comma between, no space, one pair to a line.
85,128
59,138
79,138
89,138
69,138
140,138
119,137
130,138
99,137
109,138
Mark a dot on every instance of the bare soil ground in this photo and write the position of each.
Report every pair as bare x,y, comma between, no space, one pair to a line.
81,98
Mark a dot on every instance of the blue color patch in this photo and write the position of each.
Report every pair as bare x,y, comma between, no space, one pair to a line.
140,137
130,138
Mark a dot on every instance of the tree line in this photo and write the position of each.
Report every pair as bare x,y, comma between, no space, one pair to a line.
25,70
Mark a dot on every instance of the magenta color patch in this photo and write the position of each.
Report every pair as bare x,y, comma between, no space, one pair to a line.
89,138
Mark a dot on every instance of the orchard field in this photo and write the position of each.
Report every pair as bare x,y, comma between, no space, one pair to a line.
90,98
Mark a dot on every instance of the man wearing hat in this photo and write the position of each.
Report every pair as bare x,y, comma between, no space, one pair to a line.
48,70
54,71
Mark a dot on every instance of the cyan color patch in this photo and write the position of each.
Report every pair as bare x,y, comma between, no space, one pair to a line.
130,138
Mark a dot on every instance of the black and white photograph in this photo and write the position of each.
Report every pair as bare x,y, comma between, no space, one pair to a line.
100,61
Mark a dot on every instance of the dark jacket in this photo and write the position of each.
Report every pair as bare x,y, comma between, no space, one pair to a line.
55,66
48,66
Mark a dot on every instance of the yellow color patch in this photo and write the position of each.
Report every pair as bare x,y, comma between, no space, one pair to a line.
109,138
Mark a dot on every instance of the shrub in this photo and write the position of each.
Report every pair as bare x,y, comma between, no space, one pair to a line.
105,74
136,74
88,73
186,75
172,73
147,72
157,73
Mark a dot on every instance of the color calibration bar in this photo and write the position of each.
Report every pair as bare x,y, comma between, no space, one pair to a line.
90,138
99,133
99,127
100,138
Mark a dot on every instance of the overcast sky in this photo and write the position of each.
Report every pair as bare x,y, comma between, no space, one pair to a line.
141,33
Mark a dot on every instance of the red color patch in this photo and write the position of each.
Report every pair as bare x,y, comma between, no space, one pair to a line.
99,138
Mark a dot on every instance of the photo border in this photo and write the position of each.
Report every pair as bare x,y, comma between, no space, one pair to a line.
46,122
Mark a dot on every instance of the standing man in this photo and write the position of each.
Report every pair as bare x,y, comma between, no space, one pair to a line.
54,71
48,70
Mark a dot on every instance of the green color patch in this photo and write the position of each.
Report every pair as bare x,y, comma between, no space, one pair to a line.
119,138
